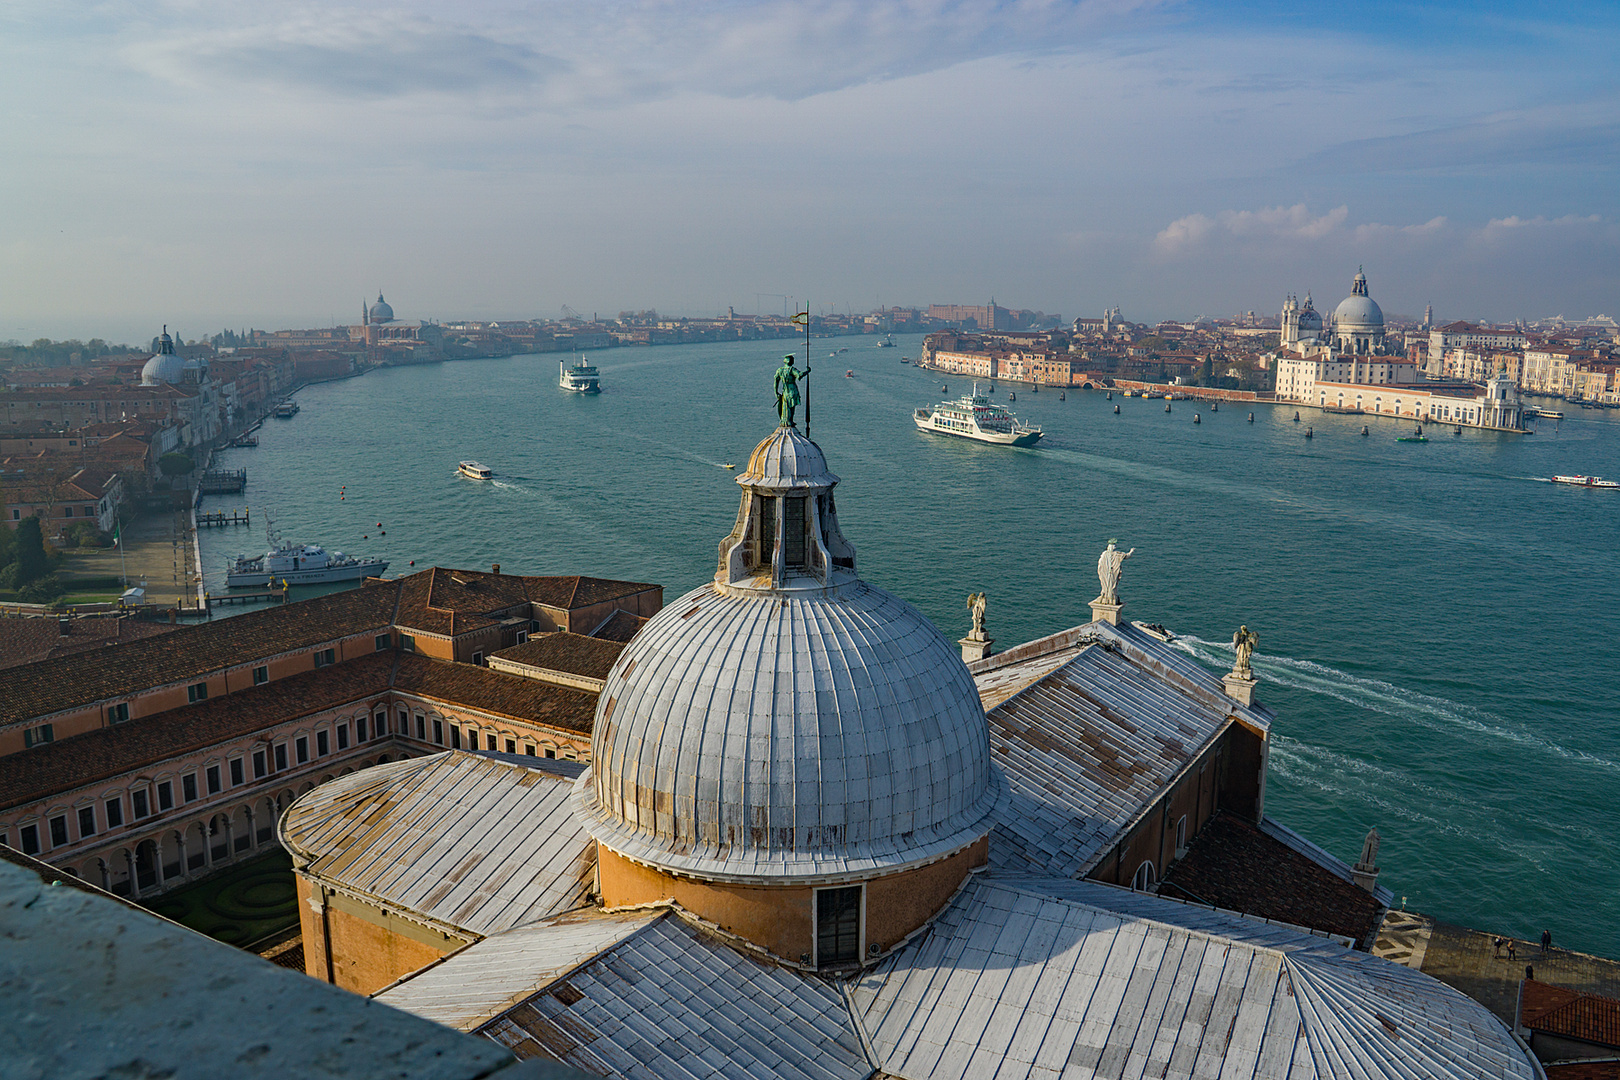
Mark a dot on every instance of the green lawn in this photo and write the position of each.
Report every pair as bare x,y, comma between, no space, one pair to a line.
237,906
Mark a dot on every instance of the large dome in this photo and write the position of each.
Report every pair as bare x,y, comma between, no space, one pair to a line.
382,311
165,366
788,723
1358,311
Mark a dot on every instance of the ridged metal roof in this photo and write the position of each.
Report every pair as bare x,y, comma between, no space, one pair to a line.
463,840
1009,984
742,737
1088,737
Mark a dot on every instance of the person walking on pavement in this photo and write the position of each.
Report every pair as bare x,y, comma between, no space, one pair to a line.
1498,943
1513,953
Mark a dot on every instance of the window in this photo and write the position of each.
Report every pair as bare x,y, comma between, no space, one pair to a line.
322,744
550,753
455,737
405,723
489,741
511,746
325,657
138,802
118,714
87,821
30,839
261,675
115,812
379,725
212,777
793,532
528,749
165,796
1145,877
407,643
281,757
522,637
59,835
1181,836
236,773
421,727
343,736
188,787
478,658
197,692
838,926
438,732
383,642
259,769
359,729
36,735
301,748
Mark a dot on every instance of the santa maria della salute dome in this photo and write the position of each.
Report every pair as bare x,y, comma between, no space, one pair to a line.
788,720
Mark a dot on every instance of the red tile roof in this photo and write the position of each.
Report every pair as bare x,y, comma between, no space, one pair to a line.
452,602
28,641
1554,1010
571,653
513,696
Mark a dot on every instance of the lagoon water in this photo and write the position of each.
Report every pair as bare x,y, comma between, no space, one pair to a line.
1437,625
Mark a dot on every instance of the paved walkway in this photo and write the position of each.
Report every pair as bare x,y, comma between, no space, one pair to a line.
158,549
1468,961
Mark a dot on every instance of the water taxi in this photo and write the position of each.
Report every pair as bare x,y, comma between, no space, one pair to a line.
1416,436
580,377
887,342
974,417
1586,481
299,564
474,471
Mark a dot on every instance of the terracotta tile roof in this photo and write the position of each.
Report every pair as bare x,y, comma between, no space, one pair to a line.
1234,865
28,641
1554,1010
573,653
1597,1069
112,751
447,601
513,696
113,671
620,626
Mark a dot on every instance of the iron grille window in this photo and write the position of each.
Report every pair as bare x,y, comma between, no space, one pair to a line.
793,532
838,926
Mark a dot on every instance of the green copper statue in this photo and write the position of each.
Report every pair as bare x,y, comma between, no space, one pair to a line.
787,389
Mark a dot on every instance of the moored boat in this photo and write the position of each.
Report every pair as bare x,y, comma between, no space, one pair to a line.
299,564
474,471
286,410
974,417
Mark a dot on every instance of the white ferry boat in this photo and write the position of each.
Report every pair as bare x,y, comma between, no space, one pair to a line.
580,377
299,564
974,417
286,410
1585,481
474,471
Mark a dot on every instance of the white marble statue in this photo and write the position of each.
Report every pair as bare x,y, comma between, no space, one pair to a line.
1369,851
1244,642
1108,571
976,602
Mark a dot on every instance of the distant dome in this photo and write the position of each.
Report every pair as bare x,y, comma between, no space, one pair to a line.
381,311
1358,311
165,366
787,720
1310,320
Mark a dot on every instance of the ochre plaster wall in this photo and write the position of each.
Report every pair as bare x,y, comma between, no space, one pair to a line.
365,953
781,919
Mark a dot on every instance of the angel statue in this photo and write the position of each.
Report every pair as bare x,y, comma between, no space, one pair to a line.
975,603
1244,642
1108,571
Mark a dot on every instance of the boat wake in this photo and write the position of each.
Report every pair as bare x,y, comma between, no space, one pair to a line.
1387,699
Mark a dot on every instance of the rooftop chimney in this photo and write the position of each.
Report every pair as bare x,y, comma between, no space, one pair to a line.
496,569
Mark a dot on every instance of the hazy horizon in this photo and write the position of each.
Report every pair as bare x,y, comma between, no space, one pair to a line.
228,165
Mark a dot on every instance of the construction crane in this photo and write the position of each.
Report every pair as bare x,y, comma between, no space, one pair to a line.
570,315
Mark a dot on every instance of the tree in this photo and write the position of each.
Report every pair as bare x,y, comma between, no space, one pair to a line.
32,563
175,463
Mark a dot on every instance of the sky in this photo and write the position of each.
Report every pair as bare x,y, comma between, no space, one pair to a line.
232,164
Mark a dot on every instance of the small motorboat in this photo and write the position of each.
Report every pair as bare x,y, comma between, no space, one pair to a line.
1416,436
849,373
474,471
1012,395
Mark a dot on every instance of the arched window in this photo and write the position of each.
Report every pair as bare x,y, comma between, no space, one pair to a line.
1146,877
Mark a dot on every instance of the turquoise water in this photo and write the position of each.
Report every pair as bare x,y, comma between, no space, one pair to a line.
1437,626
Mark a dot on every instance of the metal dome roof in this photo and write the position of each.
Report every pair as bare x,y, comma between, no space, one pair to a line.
1358,311
163,368
790,723
381,311
748,738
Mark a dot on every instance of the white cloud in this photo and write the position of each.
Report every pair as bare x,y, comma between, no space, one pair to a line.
1268,223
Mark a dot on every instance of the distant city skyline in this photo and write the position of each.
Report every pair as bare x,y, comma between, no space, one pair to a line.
235,166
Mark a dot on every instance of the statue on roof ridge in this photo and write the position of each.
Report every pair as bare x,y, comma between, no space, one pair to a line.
1243,642
1108,567
976,604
